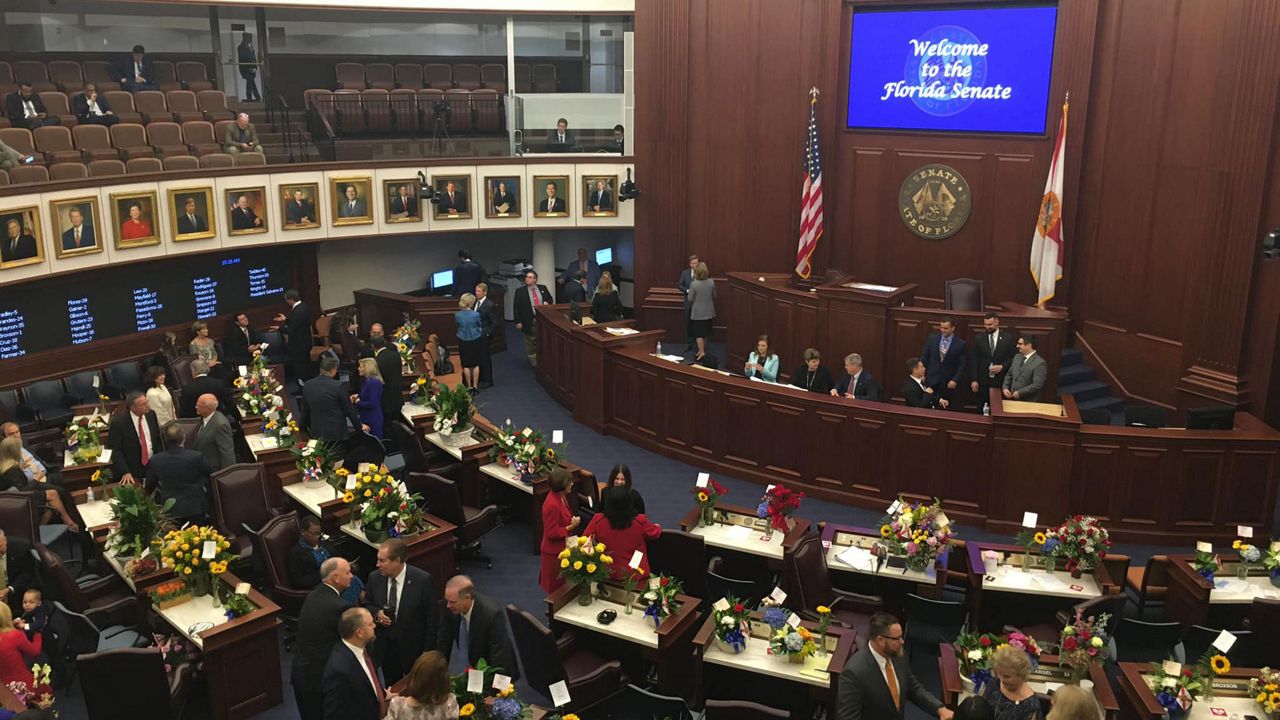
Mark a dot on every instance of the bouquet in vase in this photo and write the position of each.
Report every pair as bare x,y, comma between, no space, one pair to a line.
198,554
974,652
139,520
777,505
660,599
315,459
385,507
40,693
1249,555
406,338
259,393
1206,561
1176,686
421,391
1271,561
284,430
1081,541
584,564
1265,689
453,409
917,531
526,451
1083,644
731,618
707,498
794,644
83,440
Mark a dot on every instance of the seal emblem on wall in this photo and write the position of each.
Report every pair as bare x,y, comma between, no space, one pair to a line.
934,202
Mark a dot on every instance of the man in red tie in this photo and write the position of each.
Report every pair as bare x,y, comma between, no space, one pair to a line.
352,688
525,306
134,438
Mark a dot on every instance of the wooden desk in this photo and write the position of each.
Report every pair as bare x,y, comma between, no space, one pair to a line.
77,477
431,550
241,656
96,515
1140,700
743,532
852,566
1193,600
419,417
275,460
1044,680
472,457
435,313
1014,596
321,501
666,645
817,677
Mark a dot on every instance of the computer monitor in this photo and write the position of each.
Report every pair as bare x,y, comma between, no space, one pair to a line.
442,280
604,256
1220,417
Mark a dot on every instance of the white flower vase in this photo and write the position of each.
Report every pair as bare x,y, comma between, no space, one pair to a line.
459,437
967,683
730,649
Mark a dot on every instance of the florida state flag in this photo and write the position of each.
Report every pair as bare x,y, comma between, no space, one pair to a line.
1047,242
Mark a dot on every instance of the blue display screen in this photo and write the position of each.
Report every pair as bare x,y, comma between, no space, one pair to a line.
604,256
444,278
961,70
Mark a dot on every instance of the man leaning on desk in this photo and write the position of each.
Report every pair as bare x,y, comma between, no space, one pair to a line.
1026,376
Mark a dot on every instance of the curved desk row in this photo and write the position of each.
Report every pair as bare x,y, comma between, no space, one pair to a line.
1146,484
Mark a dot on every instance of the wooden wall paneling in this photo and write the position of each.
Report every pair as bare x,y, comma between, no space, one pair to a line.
835,456
621,386
871,464
786,460
648,409
1246,493
915,448
681,416
704,415
968,460
1094,460
1150,366
1142,501
745,431
1201,470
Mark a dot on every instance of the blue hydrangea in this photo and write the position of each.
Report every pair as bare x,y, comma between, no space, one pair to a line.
762,510
507,708
794,642
1050,544
776,617
1251,554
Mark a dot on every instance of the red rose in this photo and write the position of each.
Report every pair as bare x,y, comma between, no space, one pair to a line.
664,582
738,608
985,641
1186,672
1069,643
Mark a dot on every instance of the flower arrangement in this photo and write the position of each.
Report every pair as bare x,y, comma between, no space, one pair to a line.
660,598
453,409
1249,555
141,566
101,476
139,520
175,651
1271,561
632,583
778,504
506,706
83,440
1083,644
584,564
707,498
40,693
775,616
1081,541
315,459
526,451
917,531
385,507
974,651
1265,689
168,594
421,391
197,554
259,393
795,644
1030,539
237,605
467,699
1206,562
284,430
1026,644
731,618
406,338
1177,690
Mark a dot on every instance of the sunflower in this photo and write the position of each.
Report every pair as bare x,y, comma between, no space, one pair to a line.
885,531
467,710
702,497
1039,538
1235,545
1220,664
823,610
347,497
1274,698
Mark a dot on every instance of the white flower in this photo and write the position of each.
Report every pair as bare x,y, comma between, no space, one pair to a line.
308,452
393,514
975,654
527,432
728,621
529,448
651,596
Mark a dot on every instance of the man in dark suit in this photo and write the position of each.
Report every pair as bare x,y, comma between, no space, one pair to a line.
576,290
133,438
190,222
214,438
525,307
352,689
205,384
875,685
992,355
686,279
300,210
944,359
551,203
452,201
503,200
857,383
390,367
561,135
93,109
15,553
79,235
404,205
475,627
352,206
406,610
18,245
490,325
587,266
182,475
243,217
326,405
241,342
467,274
917,392
25,109
297,335
601,199
317,634
1027,374
134,72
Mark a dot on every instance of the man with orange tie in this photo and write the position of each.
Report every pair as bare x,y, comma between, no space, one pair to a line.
134,438
525,306
875,685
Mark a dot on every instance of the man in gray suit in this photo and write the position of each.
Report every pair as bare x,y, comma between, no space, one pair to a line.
1026,375
876,684
213,439
351,206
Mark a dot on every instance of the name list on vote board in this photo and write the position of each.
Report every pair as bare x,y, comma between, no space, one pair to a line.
205,291
12,324
80,320
146,303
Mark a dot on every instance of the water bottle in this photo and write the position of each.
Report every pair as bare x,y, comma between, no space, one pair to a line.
659,350
88,495
986,408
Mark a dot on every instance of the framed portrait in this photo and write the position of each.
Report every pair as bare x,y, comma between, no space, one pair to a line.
76,222
351,200
454,195
600,193
247,213
135,218
502,196
401,200
298,206
551,195
23,241
191,214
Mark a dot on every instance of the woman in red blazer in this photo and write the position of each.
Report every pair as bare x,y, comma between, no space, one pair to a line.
16,652
622,530
558,521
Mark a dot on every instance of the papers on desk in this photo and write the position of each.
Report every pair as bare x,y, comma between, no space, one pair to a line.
869,286
1016,578
1235,586
740,532
858,559
1049,582
621,331
672,358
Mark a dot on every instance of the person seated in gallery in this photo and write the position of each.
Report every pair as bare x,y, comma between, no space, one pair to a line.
763,363
309,554
812,376
857,383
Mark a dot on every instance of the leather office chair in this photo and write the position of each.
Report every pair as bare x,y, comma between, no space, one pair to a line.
123,378
240,499
18,515
417,459
719,585
1138,641
272,544
84,594
181,370
1112,605
1150,583
1151,416
808,585
964,294
930,622
12,410
741,710
547,661
1264,623
1117,566
49,403
80,386
1199,640
445,501
152,693
679,554
190,428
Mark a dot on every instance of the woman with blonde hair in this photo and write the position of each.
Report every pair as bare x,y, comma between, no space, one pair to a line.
426,694
1012,698
369,402
43,495
470,335
16,651
1072,702
702,307
202,346
605,304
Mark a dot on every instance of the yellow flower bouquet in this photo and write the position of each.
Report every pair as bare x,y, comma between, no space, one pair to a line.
584,563
197,554
1265,689
385,507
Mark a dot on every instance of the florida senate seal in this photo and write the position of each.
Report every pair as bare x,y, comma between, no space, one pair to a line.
934,202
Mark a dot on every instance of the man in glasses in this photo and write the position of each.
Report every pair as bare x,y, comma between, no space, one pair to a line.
876,684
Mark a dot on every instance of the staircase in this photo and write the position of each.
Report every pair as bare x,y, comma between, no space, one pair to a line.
1076,378
272,134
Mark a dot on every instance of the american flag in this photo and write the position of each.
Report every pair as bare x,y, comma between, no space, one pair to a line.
810,195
